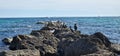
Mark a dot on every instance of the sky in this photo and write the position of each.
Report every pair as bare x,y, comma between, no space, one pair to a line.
49,8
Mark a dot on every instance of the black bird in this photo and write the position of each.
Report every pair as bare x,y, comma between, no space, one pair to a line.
75,27
71,29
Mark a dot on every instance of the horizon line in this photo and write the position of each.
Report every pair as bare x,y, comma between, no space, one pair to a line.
52,16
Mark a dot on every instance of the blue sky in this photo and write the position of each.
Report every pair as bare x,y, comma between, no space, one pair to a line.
34,8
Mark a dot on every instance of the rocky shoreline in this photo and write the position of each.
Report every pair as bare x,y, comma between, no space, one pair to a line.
56,39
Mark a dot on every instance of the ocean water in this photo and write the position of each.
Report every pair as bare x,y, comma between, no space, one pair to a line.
109,26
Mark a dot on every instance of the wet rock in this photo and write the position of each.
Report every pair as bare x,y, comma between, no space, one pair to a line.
20,53
7,41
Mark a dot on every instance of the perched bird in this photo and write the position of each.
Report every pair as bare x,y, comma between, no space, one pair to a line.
75,27
71,29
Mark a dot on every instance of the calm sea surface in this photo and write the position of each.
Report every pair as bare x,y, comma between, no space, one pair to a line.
110,26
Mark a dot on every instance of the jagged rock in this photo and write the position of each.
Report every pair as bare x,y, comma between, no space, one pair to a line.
7,41
54,25
47,28
23,42
102,37
42,33
20,53
102,53
42,22
47,44
66,33
66,37
115,48
84,46
36,33
84,35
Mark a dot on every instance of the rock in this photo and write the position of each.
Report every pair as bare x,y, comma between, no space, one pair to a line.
46,45
7,41
84,35
54,25
19,42
66,37
102,53
66,33
42,22
84,46
115,48
102,37
48,28
47,49
20,53
42,33
36,33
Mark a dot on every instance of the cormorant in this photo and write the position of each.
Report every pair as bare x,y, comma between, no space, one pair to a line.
75,27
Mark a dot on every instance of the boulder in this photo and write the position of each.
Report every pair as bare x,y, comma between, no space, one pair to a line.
84,46
66,37
47,50
7,41
21,42
46,44
102,37
26,52
47,28
84,35
54,25
115,48
102,53
41,22
41,33
36,33
66,33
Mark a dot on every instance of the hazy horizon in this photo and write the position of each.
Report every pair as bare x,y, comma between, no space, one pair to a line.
62,8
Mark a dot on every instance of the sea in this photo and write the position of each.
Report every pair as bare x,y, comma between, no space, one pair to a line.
109,26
